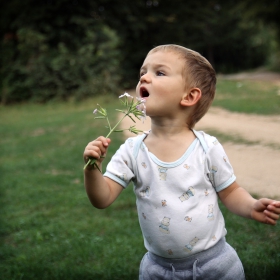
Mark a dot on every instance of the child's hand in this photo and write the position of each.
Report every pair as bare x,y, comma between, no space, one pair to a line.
97,149
266,211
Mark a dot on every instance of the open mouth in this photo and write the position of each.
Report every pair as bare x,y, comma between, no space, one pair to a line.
144,93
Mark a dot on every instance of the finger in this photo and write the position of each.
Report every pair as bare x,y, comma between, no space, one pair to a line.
274,207
276,204
100,143
270,221
92,153
271,215
105,141
96,148
267,201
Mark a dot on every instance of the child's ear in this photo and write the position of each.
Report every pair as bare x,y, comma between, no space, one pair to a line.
191,97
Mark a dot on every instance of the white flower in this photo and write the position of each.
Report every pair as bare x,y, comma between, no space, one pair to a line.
142,108
94,111
142,100
125,94
144,114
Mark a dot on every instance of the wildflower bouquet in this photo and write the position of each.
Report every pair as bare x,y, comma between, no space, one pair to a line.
132,108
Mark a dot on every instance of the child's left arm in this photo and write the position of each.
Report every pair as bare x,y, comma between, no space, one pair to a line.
240,202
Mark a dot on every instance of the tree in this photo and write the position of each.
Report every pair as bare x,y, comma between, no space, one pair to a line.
59,48
216,29
266,11
56,49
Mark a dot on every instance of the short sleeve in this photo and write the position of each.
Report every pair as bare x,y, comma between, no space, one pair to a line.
120,168
220,171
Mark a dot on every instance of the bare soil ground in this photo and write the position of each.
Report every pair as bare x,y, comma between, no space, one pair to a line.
257,167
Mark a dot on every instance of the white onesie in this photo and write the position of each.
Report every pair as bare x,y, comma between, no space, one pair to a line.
177,202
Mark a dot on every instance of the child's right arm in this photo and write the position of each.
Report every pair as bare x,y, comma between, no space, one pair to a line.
101,191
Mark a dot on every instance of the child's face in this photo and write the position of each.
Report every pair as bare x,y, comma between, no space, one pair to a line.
161,83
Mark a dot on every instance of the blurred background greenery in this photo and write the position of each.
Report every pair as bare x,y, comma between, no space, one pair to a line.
61,49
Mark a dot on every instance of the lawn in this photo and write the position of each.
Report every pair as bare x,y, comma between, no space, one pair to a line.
251,97
48,228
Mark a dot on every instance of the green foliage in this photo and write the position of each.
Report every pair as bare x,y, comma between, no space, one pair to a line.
216,29
260,10
73,56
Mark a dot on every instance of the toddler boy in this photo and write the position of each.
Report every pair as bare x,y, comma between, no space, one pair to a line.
178,174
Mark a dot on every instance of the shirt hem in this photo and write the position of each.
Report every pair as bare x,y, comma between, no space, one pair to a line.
116,179
226,184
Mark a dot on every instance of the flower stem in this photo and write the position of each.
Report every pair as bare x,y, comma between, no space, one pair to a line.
108,123
111,130
131,108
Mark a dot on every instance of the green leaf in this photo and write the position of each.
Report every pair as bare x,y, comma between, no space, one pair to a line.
131,118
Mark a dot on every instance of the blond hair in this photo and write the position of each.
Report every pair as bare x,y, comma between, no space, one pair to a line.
199,73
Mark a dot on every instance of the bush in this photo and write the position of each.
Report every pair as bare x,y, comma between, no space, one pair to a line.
34,68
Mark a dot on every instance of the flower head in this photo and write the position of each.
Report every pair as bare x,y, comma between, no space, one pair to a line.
141,100
95,111
125,94
141,107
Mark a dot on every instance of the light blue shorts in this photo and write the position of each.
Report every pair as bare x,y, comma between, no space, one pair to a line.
220,262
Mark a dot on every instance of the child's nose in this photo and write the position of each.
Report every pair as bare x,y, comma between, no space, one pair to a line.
145,78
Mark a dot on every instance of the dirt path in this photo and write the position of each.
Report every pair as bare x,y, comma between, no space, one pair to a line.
254,128
257,167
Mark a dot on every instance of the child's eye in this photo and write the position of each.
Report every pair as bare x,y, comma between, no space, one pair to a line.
141,74
160,73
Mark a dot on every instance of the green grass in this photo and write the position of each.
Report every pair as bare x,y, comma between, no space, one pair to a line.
251,97
48,228
257,245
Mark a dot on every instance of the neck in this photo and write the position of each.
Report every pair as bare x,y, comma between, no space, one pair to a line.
169,128
168,140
